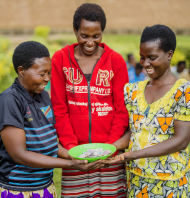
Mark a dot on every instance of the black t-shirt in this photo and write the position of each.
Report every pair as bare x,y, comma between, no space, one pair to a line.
35,116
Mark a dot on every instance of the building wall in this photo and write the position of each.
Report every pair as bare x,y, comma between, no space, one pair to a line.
122,15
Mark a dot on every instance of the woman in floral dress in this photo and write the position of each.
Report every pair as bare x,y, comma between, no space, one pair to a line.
159,110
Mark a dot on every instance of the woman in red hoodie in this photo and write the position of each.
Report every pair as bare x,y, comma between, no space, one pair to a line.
88,100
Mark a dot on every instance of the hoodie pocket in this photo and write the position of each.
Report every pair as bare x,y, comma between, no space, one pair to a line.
101,127
80,126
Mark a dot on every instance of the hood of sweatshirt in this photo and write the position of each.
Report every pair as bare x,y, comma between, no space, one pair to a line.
69,50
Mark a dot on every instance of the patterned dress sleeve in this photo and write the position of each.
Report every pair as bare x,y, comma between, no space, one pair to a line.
182,108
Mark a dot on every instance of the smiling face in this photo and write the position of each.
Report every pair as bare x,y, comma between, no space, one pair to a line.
35,78
155,61
89,36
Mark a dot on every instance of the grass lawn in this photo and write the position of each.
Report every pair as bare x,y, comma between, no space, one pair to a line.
57,181
121,43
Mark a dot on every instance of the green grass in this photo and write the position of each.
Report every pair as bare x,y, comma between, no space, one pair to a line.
125,44
121,43
57,180
128,43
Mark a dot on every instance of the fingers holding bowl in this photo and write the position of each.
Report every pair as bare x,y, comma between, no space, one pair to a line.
83,165
95,165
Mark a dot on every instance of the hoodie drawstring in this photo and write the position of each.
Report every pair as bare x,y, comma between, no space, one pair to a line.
72,71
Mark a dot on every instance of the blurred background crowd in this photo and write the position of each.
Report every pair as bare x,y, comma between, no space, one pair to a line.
50,23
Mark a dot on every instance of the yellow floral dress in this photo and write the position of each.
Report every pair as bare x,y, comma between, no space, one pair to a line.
150,125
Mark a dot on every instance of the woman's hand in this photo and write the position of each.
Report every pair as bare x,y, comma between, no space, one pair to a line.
118,159
83,165
178,142
14,140
62,152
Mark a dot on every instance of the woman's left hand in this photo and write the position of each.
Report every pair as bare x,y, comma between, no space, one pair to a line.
118,159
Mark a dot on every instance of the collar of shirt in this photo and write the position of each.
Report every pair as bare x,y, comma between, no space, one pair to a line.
25,93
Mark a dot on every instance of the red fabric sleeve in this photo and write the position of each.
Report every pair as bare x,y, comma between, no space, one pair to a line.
120,120
60,106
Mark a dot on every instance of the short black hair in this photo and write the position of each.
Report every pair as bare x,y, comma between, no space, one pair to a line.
181,62
165,35
26,52
90,12
139,66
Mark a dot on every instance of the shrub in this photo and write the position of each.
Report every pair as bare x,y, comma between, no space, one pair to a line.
63,41
4,44
178,56
42,31
185,49
52,47
7,72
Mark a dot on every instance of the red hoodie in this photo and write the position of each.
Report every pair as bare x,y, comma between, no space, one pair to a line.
89,112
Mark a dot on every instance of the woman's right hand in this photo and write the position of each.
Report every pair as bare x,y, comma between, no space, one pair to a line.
118,159
115,160
83,165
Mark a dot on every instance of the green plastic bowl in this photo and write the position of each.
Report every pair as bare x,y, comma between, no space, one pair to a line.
78,150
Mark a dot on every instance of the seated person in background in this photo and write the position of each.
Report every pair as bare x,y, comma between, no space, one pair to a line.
137,75
28,140
131,62
185,75
176,71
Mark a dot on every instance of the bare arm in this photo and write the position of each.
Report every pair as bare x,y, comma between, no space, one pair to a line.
123,142
178,142
63,152
15,143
